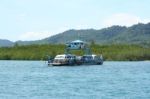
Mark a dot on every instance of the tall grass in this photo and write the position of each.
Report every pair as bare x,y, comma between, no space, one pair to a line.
41,52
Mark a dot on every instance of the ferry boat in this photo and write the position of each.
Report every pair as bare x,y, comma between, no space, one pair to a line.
69,59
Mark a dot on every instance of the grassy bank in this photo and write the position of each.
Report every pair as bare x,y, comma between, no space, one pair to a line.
40,52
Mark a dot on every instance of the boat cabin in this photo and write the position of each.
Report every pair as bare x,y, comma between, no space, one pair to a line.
64,59
65,56
92,59
76,45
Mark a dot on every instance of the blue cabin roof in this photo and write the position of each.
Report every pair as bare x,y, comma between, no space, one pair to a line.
77,41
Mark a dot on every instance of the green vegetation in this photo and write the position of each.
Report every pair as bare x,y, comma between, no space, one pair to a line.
31,52
123,52
41,52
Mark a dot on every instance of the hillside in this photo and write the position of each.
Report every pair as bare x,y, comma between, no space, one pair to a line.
5,43
137,34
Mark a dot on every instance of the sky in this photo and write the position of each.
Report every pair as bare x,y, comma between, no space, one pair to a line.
38,19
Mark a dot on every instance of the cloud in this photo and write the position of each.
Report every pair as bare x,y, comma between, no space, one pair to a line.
41,35
123,19
34,35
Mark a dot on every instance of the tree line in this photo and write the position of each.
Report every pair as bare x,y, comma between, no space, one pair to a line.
42,52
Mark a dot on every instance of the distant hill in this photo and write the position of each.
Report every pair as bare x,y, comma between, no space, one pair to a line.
5,43
136,34
99,36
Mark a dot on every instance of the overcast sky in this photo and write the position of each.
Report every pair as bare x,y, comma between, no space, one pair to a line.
37,19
